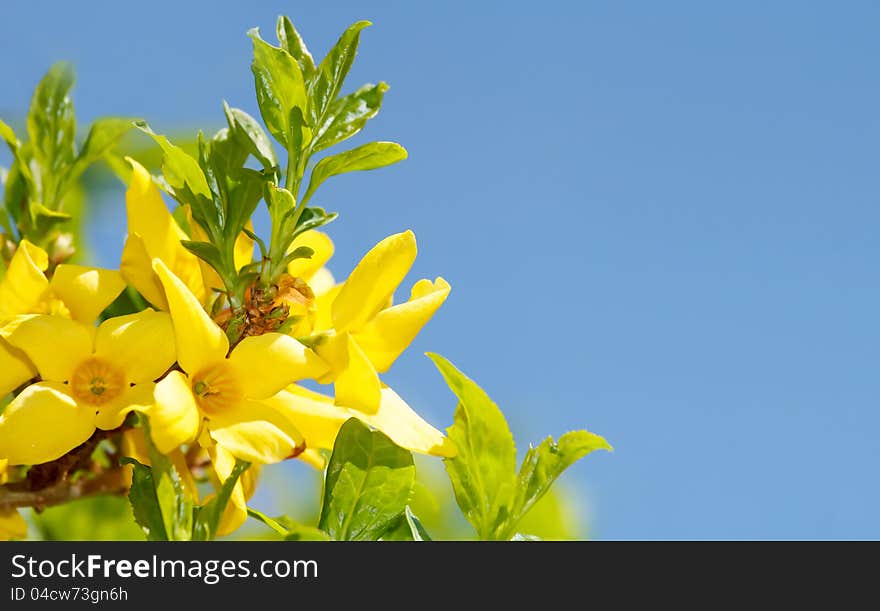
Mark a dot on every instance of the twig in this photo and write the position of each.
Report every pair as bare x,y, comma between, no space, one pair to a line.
114,481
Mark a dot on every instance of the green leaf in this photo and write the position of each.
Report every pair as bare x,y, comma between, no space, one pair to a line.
290,530
227,153
103,136
293,43
348,115
175,501
51,124
279,84
333,70
369,481
369,156
483,471
17,193
208,516
182,173
251,134
144,502
545,463
312,218
301,252
418,531
8,135
243,196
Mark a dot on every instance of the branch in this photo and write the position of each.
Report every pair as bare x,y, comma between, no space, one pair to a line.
115,481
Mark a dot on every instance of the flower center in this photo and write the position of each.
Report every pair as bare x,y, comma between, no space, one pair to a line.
95,381
215,388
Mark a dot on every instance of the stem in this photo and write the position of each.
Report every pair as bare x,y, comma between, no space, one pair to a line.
113,482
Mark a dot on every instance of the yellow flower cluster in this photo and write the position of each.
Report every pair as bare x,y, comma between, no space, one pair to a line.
175,364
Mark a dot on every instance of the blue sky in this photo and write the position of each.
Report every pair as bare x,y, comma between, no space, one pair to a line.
659,221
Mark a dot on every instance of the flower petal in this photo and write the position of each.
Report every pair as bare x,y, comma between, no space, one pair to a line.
15,368
236,511
322,282
323,318
264,364
137,398
356,381
322,246
86,291
12,525
174,416
43,423
243,249
54,345
24,285
136,267
200,342
149,218
319,420
373,281
256,432
142,344
314,414
385,337
406,428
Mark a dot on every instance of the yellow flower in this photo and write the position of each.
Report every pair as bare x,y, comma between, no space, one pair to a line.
368,332
12,525
228,392
134,445
74,291
154,234
235,513
319,420
90,378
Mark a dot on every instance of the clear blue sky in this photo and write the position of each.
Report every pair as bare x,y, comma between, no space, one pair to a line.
660,221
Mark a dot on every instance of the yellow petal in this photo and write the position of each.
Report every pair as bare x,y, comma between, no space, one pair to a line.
43,423
373,281
256,432
315,415
243,249
264,364
313,457
178,459
406,428
141,344
323,318
209,276
200,342
134,445
149,218
15,368
12,525
137,398
321,282
24,285
54,345
356,382
174,416
86,291
136,267
236,511
319,419
322,246
385,337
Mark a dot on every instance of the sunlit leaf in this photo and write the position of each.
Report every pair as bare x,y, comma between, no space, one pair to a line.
368,484
366,157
